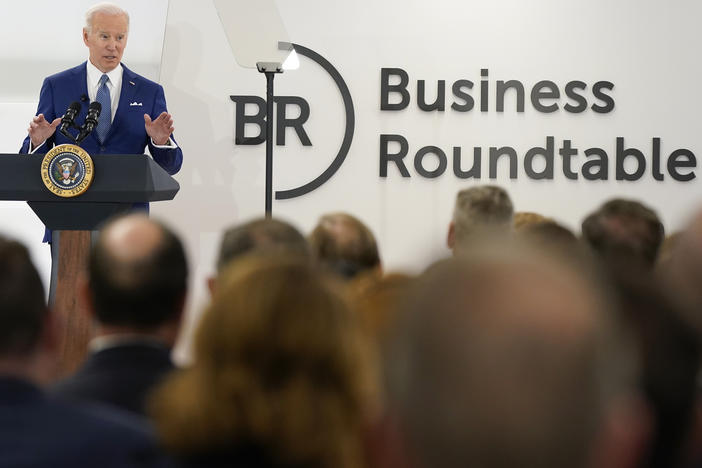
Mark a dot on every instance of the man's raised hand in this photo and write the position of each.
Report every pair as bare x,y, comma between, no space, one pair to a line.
41,130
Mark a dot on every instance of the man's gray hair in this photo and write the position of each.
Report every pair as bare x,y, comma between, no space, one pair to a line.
486,207
105,8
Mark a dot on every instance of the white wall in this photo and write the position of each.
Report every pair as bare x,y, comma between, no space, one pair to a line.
646,48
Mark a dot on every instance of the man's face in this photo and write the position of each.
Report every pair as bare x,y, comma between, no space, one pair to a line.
106,41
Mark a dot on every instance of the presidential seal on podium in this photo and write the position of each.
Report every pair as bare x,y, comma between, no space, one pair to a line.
67,170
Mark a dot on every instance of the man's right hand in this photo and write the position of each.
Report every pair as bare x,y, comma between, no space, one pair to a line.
41,130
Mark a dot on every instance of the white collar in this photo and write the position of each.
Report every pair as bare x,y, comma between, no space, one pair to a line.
115,75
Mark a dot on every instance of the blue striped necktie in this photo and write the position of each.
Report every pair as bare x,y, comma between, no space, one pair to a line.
103,97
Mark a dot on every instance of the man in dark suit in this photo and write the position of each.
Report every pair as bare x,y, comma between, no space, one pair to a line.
137,277
133,114
37,430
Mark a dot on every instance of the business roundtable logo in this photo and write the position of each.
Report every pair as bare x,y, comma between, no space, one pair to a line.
282,122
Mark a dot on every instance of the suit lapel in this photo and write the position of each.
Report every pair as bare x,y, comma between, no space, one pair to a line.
129,86
80,88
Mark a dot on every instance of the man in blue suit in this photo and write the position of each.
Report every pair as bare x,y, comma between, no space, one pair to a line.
38,430
134,113
133,108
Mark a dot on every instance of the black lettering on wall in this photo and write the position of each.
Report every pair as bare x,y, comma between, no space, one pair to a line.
548,155
571,90
598,90
484,90
419,162
397,158
283,121
242,119
503,87
622,155
596,168
474,171
468,102
438,104
386,89
567,152
676,161
495,154
545,90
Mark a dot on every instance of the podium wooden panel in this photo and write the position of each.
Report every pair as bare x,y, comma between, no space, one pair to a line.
75,323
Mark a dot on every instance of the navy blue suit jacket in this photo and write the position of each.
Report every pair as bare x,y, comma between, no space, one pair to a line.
127,134
121,376
38,431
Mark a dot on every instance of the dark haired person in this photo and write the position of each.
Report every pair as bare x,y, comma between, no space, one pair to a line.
137,280
262,235
38,430
625,232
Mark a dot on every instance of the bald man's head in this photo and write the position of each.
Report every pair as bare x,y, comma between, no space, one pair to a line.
137,273
501,364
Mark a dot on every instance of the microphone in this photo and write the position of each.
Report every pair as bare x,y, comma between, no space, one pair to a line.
91,120
68,118
83,98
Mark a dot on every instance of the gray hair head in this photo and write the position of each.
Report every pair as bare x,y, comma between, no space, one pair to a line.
105,8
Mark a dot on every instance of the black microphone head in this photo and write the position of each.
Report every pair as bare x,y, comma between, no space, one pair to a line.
72,111
95,108
83,98
69,116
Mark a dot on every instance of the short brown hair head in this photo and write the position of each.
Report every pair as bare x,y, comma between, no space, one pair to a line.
624,231
344,244
261,235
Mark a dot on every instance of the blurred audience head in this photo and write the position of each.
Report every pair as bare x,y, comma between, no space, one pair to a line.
137,276
482,211
669,350
507,358
683,270
344,245
624,231
668,247
549,235
263,235
24,316
279,377
260,235
524,219
377,301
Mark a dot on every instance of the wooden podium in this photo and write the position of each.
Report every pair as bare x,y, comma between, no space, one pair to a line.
119,181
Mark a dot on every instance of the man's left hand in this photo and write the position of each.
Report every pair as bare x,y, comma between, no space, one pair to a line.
159,129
